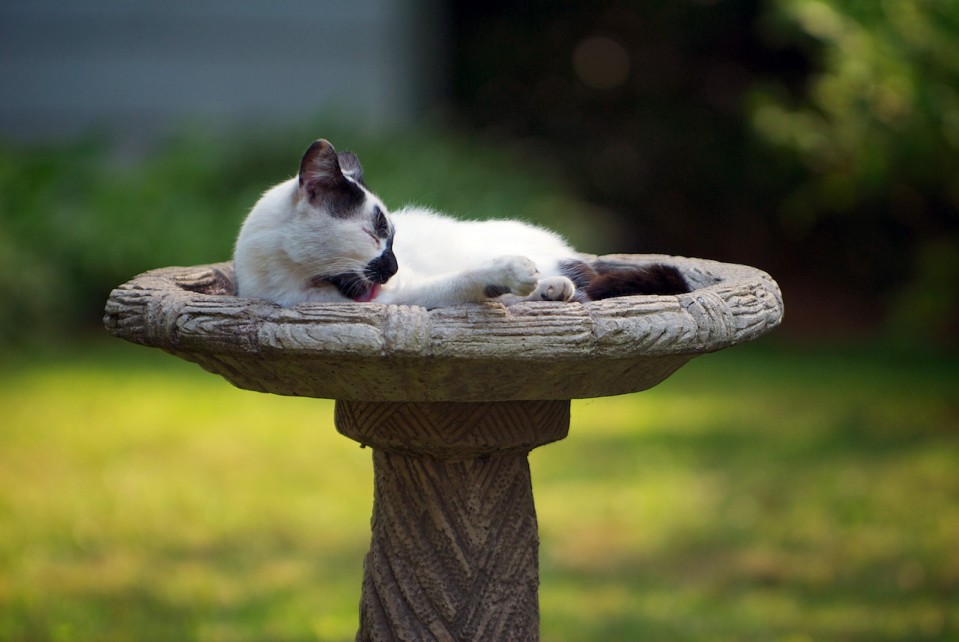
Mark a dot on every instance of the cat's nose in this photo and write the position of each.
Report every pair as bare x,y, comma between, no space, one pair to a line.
380,269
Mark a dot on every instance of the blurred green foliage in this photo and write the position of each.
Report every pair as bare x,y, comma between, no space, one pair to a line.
878,131
78,219
817,139
887,96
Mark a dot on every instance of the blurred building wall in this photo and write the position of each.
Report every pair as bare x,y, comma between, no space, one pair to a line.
142,66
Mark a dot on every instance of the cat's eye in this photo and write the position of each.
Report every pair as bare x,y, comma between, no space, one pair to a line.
380,225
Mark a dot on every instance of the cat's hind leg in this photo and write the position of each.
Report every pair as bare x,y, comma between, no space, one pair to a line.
550,288
515,278
553,288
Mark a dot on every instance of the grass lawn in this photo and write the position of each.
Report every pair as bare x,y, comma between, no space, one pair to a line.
763,493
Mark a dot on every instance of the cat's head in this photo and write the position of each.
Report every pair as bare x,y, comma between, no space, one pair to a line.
346,231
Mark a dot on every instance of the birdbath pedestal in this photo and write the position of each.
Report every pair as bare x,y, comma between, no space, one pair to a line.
451,401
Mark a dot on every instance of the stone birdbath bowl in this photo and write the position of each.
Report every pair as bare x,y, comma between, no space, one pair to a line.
451,400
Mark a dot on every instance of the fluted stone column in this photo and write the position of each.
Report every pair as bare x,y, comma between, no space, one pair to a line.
454,548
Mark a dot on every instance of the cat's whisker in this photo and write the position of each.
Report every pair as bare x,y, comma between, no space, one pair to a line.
341,266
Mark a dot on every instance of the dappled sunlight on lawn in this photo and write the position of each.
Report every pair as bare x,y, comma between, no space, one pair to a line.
758,497
137,499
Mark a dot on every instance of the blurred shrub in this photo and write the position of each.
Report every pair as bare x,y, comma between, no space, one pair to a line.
818,139
76,220
878,134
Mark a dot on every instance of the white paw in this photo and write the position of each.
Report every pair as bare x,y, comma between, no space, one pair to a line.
514,274
553,288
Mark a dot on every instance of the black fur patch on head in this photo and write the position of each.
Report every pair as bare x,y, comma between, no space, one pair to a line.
344,201
323,180
618,280
381,225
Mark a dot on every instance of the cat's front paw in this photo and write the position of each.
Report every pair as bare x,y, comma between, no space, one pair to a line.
512,274
553,288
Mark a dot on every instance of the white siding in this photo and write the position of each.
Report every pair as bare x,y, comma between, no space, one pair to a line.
139,64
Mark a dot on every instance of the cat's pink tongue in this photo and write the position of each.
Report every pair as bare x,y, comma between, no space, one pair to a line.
370,294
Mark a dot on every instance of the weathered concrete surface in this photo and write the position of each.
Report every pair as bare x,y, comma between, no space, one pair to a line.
474,352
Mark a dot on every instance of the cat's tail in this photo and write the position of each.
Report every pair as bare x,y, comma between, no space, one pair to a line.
603,280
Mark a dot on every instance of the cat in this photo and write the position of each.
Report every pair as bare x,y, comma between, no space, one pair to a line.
323,236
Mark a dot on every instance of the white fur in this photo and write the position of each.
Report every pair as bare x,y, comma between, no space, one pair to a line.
290,243
443,261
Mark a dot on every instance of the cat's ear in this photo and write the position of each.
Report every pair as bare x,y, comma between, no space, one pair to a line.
322,179
350,165
319,166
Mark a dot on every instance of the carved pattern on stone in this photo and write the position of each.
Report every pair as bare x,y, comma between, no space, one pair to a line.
475,352
454,547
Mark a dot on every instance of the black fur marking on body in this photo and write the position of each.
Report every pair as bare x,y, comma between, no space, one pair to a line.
580,273
618,280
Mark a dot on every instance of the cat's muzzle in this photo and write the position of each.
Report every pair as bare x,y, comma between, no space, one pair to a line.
364,286
382,268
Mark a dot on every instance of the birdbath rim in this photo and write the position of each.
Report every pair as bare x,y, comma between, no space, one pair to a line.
470,352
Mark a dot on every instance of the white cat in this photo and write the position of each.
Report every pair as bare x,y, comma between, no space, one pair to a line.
323,236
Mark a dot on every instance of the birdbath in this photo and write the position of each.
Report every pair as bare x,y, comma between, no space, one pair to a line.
451,401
